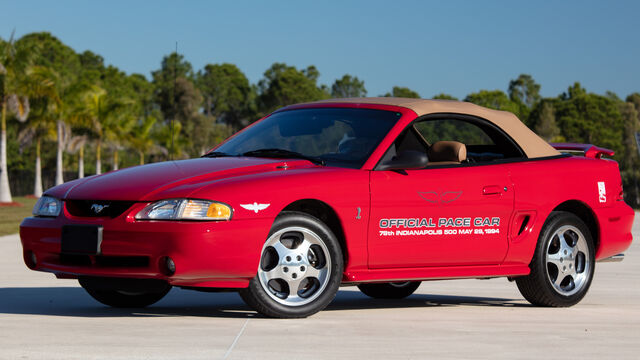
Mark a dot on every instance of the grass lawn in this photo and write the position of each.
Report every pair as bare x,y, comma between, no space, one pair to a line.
11,216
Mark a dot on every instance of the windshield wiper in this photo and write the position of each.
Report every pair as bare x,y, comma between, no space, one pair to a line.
283,154
215,154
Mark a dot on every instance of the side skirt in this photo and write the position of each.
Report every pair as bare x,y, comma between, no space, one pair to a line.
435,273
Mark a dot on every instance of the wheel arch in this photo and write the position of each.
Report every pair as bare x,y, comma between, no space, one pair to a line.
324,213
586,214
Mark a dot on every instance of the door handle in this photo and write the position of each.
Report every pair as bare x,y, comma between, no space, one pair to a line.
493,190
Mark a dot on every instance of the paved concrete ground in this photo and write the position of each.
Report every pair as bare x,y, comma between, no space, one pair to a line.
45,318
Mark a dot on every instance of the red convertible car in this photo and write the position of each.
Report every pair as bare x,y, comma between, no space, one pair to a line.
381,193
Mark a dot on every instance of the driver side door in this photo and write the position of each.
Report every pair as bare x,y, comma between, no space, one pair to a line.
450,213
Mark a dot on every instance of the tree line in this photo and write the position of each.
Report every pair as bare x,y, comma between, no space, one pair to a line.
67,110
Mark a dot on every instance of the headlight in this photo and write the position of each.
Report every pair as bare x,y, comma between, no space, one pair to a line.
47,206
185,209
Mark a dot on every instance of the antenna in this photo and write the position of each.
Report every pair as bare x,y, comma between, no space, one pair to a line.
175,95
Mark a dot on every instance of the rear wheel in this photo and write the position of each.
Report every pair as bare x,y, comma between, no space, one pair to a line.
563,265
393,290
300,268
125,293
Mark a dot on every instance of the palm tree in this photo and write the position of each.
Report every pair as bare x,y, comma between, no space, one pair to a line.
162,135
76,144
103,116
140,138
93,111
39,86
70,105
14,62
38,129
60,132
117,128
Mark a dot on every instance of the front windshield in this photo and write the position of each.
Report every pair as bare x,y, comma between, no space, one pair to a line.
343,137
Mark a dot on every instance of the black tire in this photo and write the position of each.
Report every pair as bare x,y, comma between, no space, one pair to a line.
256,295
107,291
395,290
538,287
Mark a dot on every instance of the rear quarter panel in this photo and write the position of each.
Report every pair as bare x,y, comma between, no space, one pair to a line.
542,185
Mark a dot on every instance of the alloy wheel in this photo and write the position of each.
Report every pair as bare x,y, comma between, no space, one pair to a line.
567,260
295,266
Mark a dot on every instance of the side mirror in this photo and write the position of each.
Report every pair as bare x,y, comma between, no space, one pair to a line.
406,160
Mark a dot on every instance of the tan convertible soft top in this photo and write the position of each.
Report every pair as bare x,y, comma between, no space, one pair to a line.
532,144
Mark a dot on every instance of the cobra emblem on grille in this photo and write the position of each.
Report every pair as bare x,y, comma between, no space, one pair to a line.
97,208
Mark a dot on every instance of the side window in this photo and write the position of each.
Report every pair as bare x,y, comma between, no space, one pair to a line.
408,140
452,130
481,141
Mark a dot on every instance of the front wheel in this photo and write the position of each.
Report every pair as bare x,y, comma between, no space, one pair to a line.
300,268
393,290
563,264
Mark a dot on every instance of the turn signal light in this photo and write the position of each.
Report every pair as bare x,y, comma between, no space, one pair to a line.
219,211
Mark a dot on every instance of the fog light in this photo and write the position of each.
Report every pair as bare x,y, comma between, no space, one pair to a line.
169,267
31,260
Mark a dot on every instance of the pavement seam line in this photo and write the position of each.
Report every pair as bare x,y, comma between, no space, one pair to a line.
235,341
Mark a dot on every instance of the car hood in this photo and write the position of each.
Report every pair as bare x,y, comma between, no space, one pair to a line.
153,181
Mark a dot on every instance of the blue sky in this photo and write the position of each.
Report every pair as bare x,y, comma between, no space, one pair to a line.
455,47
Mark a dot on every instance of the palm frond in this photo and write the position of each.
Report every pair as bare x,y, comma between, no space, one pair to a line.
40,81
65,133
19,106
26,137
76,142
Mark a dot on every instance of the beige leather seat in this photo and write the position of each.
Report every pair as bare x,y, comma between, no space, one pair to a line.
446,153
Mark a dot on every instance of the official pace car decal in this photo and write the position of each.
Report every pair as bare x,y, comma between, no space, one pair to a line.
254,207
439,226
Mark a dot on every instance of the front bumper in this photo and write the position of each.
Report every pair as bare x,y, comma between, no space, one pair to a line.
206,254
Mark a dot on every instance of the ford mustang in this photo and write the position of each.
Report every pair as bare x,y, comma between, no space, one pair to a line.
381,193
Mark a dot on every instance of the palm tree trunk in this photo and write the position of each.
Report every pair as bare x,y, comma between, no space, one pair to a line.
81,162
59,179
98,162
141,157
5,190
37,189
115,159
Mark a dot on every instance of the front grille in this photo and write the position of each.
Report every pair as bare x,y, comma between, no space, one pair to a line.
97,208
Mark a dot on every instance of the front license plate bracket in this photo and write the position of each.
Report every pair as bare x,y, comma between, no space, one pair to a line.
81,239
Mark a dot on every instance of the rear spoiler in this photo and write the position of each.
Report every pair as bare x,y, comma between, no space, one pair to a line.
590,151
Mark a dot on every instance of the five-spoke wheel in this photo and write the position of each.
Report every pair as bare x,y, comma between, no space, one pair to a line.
563,264
295,266
567,260
300,268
